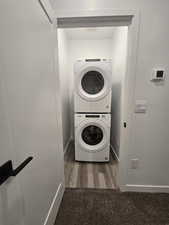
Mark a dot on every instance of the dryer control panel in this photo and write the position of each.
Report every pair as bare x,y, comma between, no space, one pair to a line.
92,116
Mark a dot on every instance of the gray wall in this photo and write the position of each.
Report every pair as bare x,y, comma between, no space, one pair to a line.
65,81
119,53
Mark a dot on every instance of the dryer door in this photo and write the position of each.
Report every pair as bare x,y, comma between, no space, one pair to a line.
93,83
92,136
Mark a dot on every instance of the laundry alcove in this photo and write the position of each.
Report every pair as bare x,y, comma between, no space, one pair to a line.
94,38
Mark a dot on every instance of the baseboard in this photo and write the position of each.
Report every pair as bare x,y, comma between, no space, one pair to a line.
114,152
145,188
67,145
51,217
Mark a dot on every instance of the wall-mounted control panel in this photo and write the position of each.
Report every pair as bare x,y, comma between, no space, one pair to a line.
158,75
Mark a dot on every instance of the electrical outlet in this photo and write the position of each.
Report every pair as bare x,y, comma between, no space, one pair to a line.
134,163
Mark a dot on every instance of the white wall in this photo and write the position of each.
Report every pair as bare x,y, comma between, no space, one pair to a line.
31,96
150,132
119,53
65,80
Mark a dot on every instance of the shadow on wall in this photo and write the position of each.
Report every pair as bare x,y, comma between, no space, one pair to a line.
116,117
72,115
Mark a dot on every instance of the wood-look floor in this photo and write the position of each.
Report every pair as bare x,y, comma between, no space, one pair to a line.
90,175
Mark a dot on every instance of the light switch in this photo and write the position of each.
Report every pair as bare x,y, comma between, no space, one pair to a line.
141,106
134,163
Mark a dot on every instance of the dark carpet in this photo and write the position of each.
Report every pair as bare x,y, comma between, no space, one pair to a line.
107,207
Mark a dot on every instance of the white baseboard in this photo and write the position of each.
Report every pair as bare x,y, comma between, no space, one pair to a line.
67,145
51,217
114,152
145,188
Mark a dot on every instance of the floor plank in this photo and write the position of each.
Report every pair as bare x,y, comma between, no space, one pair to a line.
90,175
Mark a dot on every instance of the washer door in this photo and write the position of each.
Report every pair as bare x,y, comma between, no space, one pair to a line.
92,136
93,83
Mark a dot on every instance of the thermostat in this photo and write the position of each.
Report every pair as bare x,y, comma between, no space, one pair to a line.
158,75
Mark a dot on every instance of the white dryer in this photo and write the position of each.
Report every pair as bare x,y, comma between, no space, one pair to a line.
92,137
92,83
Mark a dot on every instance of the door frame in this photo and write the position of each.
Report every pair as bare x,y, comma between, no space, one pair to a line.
119,17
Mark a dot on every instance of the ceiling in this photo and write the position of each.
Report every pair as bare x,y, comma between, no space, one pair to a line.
91,33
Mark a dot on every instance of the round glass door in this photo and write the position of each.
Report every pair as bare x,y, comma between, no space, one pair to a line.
92,82
92,135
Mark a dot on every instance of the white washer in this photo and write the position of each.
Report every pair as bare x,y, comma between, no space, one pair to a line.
92,137
93,80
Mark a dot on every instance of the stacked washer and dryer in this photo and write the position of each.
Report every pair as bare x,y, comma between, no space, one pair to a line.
92,109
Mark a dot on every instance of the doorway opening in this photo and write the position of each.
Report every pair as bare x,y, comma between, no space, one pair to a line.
87,40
